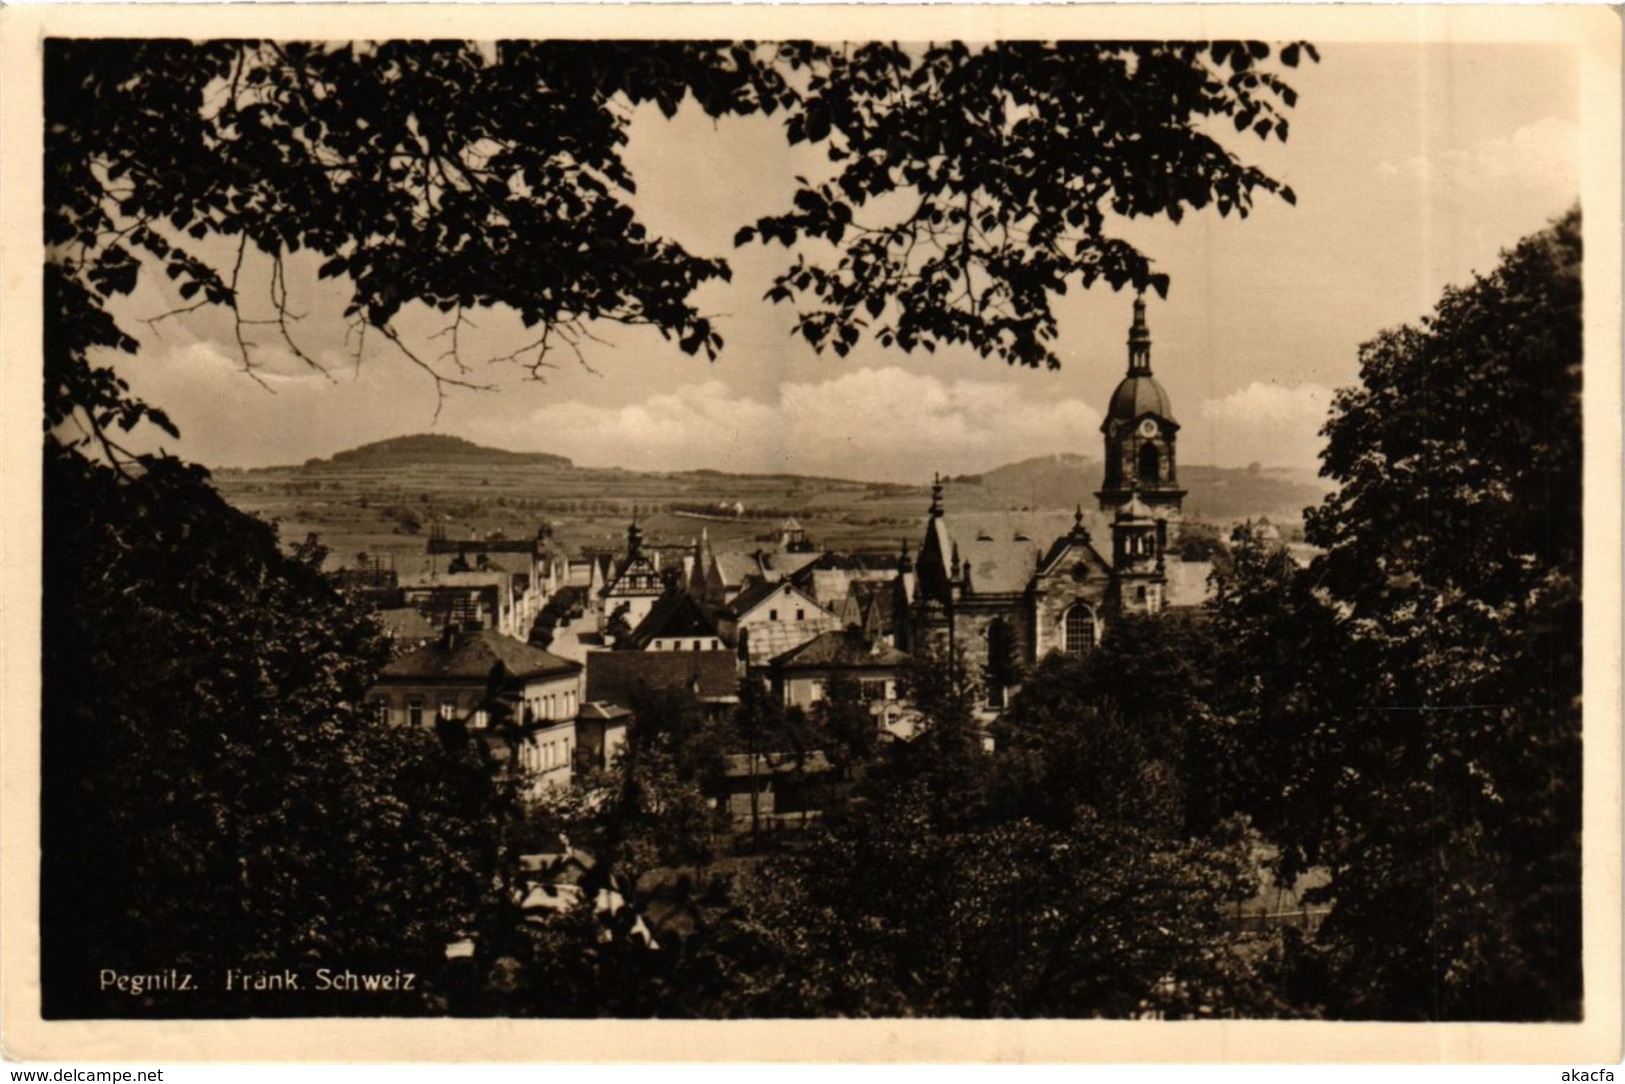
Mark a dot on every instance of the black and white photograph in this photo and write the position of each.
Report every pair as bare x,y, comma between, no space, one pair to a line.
895,523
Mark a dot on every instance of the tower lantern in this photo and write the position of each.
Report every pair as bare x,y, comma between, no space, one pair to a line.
1140,434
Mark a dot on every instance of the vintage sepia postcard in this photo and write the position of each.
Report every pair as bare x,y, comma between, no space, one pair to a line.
765,534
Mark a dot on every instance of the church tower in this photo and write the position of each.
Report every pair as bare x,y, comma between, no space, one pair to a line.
1140,432
1139,542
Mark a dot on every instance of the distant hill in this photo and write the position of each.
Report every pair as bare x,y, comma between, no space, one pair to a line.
435,448
1049,481
1215,493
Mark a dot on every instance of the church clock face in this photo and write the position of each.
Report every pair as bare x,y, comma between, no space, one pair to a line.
1148,428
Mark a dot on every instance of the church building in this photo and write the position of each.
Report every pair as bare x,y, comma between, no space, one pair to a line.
1003,601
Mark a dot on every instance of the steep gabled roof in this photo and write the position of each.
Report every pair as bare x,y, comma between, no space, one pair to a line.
613,677
999,565
761,592
733,569
676,614
870,604
770,639
1070,551
470,656
786,565
845,649
636,575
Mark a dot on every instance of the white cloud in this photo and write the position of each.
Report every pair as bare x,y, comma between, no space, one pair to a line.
1271,424
880,423
1543,156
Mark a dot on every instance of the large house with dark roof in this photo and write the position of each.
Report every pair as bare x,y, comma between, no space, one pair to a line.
801,677
616,677
519,700
676,623
769,618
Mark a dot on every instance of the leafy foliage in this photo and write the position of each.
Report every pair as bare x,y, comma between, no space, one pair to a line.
964,883
987,172
668,767
213,795
414,168
1419,686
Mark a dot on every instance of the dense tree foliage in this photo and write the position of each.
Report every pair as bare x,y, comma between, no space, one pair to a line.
975,182
415,168
962,882
1417,690
213,795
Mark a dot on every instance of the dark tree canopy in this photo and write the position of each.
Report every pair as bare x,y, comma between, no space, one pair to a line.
1415,717
463,176
974,182
213,793
206,766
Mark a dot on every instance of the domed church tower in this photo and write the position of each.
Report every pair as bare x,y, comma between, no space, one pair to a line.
1140,432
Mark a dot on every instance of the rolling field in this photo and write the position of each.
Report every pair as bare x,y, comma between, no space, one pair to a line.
382,503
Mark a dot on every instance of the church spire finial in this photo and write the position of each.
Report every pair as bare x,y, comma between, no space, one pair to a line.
1139,341
936,495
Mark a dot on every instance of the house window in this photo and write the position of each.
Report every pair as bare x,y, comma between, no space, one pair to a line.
414,712
696,645
1080,629
480,719
872,689
772,615
801,615
380,711
1139,594
448,709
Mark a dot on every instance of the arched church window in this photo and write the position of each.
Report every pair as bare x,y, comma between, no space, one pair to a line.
1001,661
1080,629
1150,462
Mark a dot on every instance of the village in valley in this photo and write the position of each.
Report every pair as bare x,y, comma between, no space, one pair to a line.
544,649
541,657
858,529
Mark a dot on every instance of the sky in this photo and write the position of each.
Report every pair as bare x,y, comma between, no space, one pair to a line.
1414,166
